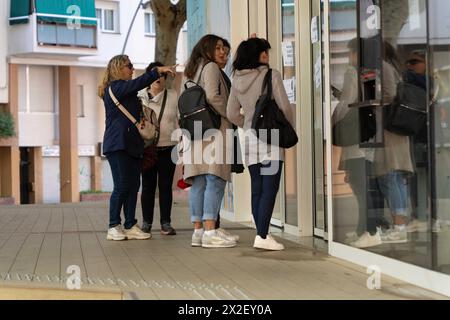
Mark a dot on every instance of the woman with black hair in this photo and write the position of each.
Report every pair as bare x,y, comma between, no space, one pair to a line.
164,103
264,161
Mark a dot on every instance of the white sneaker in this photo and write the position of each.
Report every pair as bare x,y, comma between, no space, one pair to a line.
395,236
197,239
268,243
351,237
230,236
417,226
217,240
367,240
135,233
116,233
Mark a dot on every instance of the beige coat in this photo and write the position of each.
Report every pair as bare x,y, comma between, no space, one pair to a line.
396,153
169,121
217,96
245,91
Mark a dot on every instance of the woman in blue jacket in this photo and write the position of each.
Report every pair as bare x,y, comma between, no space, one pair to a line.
122,143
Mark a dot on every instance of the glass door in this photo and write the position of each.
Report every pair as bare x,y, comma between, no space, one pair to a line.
289,77
282,13
319,157
439,119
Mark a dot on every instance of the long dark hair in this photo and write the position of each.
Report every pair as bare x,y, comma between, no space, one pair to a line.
248,52
204,50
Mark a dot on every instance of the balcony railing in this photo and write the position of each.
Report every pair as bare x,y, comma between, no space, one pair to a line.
55,34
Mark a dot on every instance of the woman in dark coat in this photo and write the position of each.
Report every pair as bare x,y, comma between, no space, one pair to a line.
122,143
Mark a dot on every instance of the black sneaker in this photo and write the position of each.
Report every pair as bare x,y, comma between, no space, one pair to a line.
166,229
146,227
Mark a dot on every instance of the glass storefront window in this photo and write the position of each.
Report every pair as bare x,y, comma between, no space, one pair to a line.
390,74
288,47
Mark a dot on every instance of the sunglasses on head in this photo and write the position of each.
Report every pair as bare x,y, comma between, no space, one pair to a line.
413,62
129,66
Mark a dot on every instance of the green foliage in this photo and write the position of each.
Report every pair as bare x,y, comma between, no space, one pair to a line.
6,125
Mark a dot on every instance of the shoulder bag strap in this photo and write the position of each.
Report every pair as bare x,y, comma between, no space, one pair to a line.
200,75
267,82
122,108
163,106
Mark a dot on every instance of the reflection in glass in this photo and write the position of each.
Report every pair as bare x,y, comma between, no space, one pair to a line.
288,38
381,191
439,42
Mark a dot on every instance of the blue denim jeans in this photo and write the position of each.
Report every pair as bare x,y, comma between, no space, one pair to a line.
394,186
205,197
264,192
126,172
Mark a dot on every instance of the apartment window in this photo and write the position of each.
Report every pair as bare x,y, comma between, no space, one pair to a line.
98,15
108,20
150,27
108,16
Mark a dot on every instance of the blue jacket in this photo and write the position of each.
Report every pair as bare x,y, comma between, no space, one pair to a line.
120,132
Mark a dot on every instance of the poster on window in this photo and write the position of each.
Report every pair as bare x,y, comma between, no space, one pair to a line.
288,53
289,86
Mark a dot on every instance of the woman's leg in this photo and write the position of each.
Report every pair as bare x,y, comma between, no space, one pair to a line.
270,186
215,189
166,171
134,174
120,188
149,178
400,203
196,199
357,179
256,186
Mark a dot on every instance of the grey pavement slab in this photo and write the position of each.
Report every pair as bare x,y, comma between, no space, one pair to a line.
39,242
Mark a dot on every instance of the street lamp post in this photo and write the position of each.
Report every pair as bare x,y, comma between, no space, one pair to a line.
144,6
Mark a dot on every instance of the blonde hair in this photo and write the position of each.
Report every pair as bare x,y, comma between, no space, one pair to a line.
113,72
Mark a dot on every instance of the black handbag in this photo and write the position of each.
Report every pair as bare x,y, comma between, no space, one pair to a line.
407,115
357,126
194,107
268,117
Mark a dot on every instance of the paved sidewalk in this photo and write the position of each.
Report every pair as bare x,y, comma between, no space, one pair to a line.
39,243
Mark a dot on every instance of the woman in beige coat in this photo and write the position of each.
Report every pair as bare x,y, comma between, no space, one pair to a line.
205,165
393,163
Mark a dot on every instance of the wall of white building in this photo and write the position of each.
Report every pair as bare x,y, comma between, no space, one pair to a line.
140,46
38,88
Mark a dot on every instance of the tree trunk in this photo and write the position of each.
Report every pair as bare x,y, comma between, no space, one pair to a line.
395,14
169,18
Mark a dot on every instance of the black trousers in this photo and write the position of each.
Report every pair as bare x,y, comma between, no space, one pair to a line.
162,174
265,186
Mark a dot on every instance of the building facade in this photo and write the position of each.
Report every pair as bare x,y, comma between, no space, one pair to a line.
345,65
48,81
